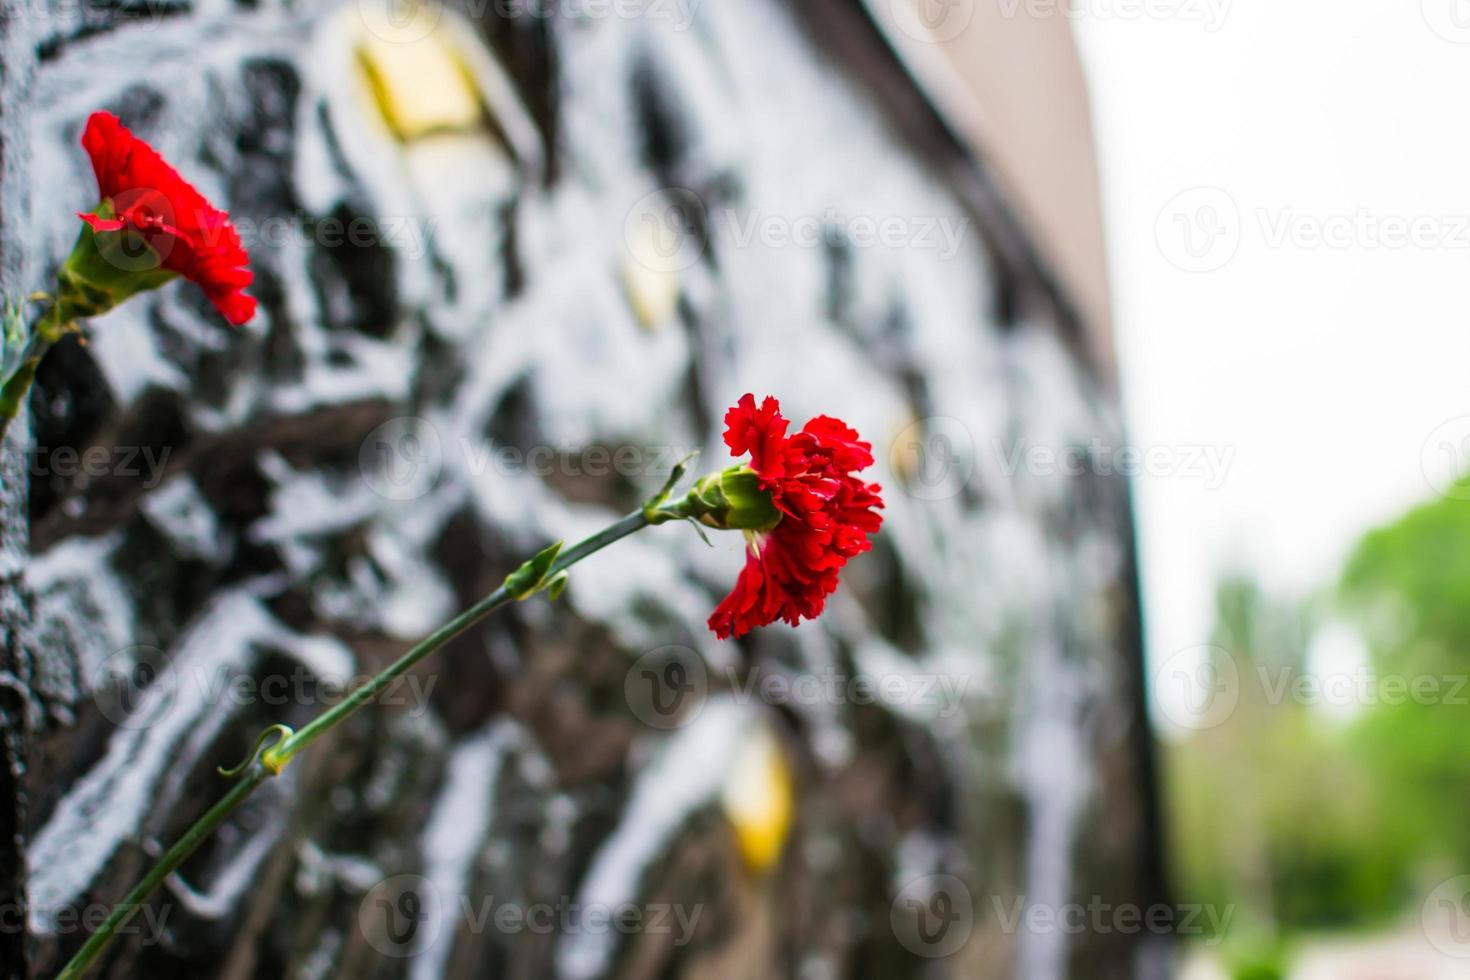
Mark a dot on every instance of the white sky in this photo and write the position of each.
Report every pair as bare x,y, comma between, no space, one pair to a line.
1324,368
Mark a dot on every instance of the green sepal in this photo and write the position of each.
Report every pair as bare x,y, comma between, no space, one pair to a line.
105,268
531,577
731,500
699,530
557,585
747,506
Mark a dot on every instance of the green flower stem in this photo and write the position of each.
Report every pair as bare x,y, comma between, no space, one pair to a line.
284,751
13,390
16,387
274,759
187,845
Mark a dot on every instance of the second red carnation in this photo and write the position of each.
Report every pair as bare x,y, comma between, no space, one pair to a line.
827,515
141,193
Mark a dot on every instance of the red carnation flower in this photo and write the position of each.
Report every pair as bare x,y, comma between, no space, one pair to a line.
827,515
143,194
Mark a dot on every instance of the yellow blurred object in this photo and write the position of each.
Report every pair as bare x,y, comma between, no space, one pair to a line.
416,75
907,455
653,293
758,801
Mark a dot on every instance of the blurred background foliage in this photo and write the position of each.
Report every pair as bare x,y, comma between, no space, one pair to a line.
1318,815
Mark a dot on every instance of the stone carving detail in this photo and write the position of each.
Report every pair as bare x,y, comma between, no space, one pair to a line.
505,280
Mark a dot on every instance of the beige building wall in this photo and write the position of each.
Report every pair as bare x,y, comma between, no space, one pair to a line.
1006,75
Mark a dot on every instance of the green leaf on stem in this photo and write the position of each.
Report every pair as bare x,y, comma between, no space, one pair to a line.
653,508
13,337
281,733
530,578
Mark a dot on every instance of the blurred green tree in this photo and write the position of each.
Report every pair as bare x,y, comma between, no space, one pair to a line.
1408,585
1308,820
